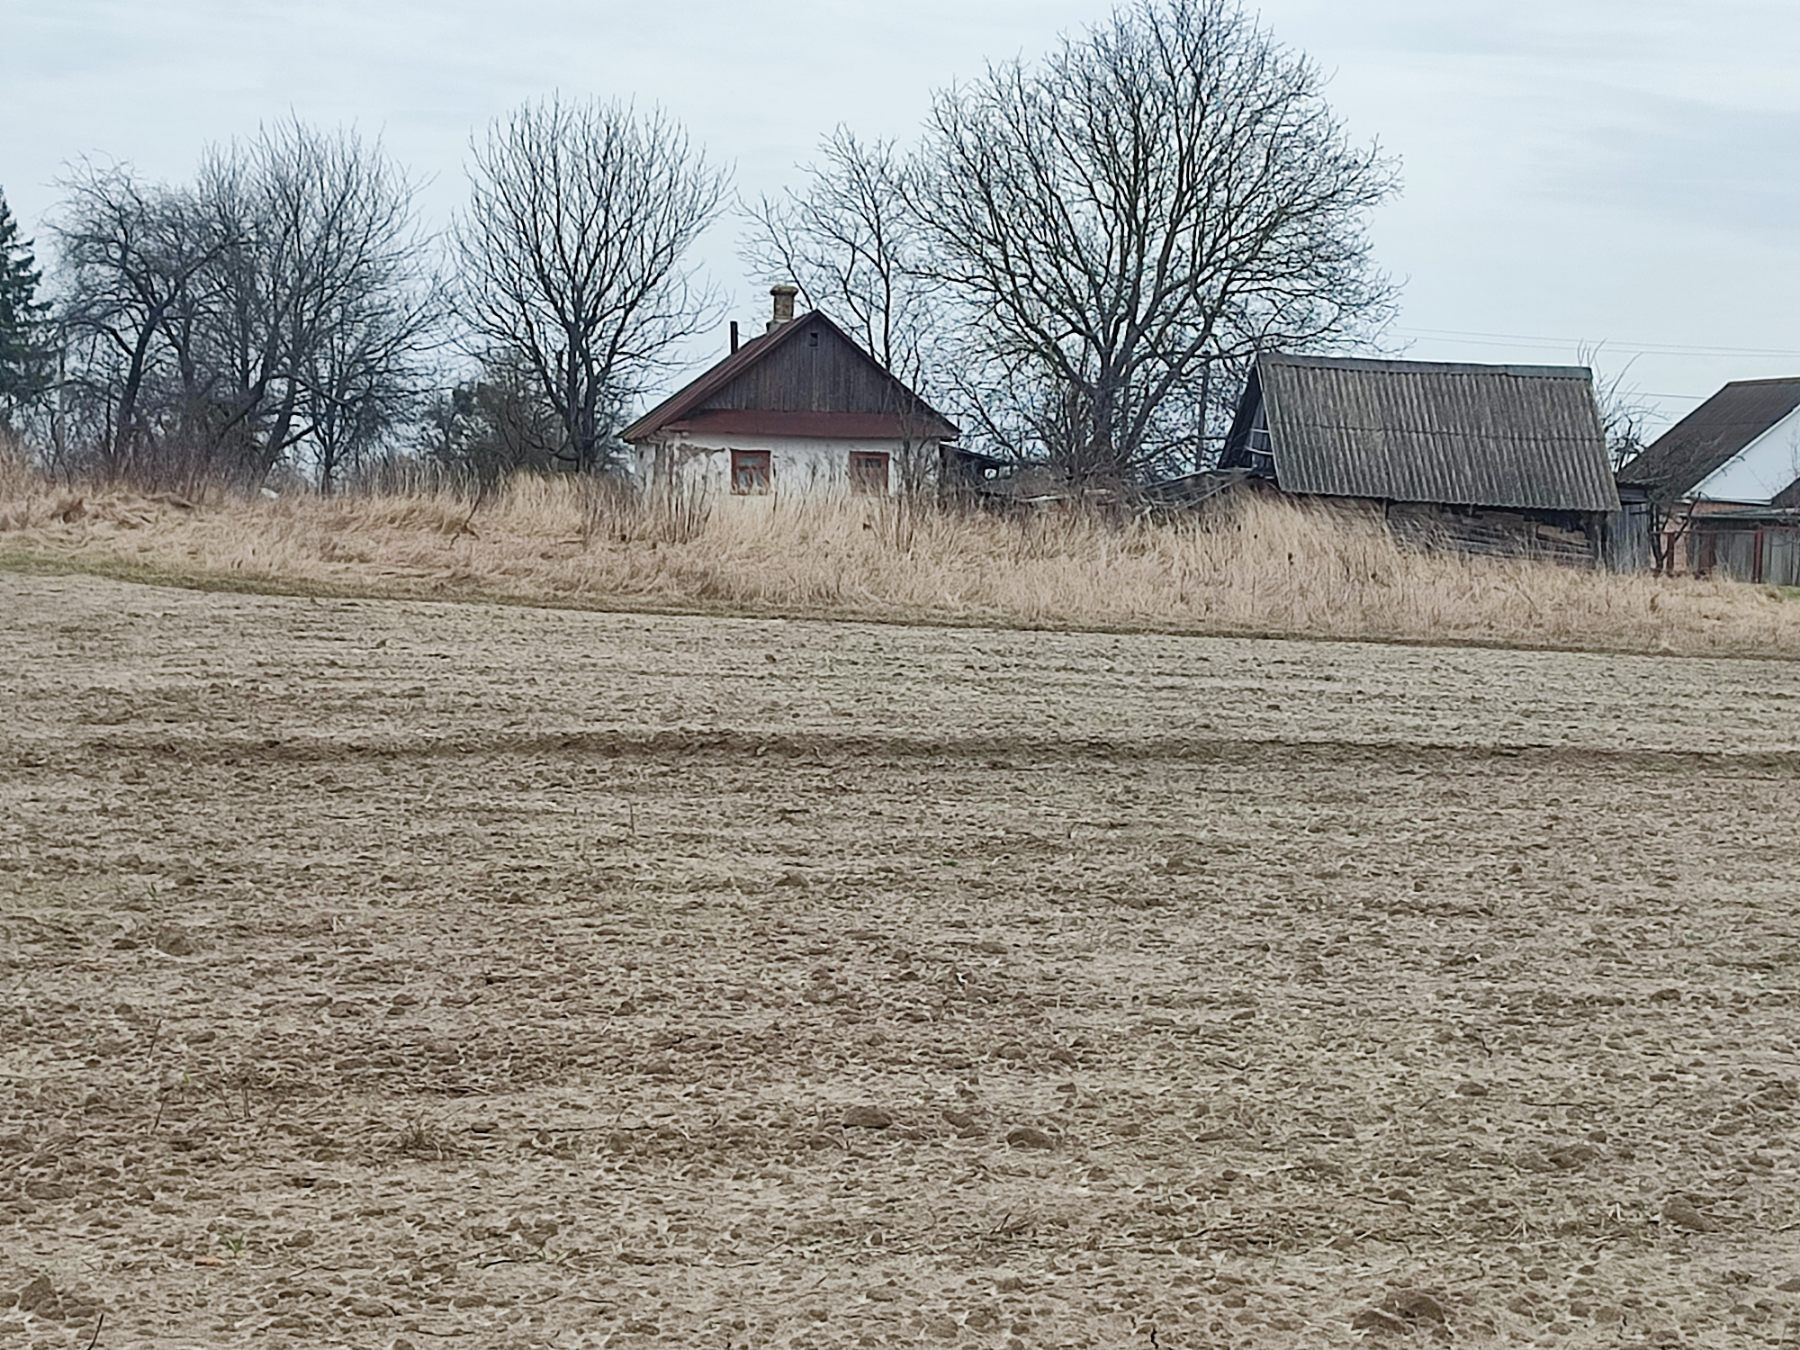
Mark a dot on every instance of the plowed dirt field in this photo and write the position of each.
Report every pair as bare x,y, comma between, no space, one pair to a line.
380,974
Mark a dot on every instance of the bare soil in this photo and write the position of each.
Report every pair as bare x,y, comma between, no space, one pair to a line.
379,973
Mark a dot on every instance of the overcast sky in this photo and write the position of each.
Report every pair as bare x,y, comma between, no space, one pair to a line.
1624,172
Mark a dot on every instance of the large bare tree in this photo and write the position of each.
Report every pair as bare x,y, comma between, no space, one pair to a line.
319,325
573,255
133,258
1126,222
278,309
849,240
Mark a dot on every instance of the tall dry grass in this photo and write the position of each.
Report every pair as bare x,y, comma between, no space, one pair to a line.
19,479
1266,568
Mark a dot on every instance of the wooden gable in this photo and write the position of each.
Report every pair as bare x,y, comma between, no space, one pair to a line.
817,369
806,378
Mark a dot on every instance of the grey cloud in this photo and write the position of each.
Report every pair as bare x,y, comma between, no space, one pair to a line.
1689,160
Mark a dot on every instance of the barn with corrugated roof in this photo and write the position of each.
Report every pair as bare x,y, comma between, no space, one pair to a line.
1497,459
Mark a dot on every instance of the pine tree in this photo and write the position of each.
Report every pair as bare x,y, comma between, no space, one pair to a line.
25,354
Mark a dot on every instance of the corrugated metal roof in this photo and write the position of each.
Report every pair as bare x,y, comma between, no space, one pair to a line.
1519,437
1699,444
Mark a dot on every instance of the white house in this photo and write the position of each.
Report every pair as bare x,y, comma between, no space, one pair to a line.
800,410
1722,486
1741,445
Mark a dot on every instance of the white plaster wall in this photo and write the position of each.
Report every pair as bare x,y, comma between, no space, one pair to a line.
1766,466
799,466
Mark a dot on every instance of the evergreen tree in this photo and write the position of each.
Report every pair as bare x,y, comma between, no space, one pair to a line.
25,354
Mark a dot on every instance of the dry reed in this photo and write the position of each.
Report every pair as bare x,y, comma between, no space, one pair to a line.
1267,568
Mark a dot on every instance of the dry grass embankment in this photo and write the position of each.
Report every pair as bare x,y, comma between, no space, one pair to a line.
1268,569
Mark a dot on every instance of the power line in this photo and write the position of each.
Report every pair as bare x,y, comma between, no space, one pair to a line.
1464,335
1531,344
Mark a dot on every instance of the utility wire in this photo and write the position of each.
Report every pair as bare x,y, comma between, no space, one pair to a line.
1643,348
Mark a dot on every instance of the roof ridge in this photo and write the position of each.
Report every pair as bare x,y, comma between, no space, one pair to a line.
1405,366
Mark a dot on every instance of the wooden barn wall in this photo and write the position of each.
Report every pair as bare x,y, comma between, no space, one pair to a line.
1625,538
799,377
1562,537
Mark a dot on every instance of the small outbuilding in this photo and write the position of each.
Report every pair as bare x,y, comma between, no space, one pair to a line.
1490,459
798,410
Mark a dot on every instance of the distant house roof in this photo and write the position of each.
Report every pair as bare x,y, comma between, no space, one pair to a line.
780,384
1711,436
1517,437
1788,499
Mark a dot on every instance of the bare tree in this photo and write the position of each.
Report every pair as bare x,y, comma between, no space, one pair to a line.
573,255
365,380
1625,416
851,243
1127,222
319,323
277,309
133,256
1625,413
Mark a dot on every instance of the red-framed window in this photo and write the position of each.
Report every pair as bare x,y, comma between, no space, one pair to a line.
751,475
869,471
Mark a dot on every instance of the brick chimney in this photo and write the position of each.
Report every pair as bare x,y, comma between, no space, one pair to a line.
784,305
